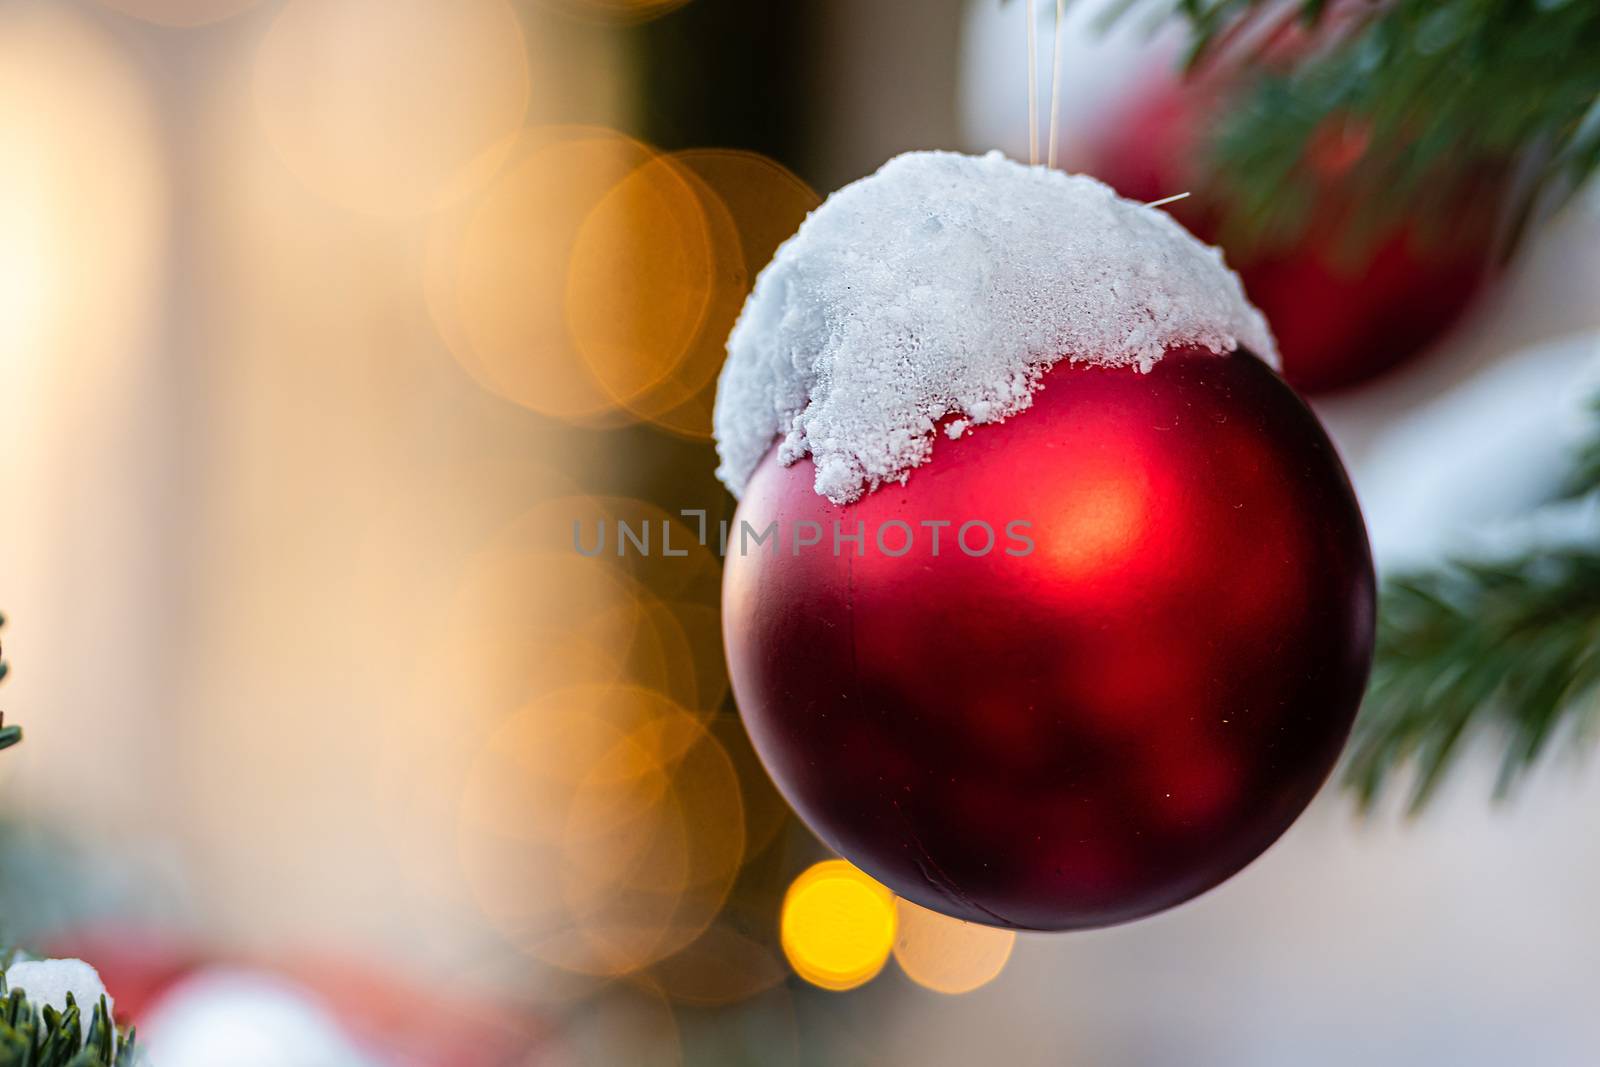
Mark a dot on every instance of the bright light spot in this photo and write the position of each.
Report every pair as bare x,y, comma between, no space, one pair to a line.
26,285
838,926
1099,521
948,955
81,225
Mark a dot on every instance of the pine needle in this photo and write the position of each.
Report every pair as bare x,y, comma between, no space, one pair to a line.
1447,91
40,1036
1506,649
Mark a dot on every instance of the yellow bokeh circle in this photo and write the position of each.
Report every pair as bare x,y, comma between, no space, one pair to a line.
838,926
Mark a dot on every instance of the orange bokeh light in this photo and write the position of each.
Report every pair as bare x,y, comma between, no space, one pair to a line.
947,955
582,275
752,205
601,829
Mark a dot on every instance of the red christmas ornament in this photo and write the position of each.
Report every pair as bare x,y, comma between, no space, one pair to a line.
1343,310
1091,730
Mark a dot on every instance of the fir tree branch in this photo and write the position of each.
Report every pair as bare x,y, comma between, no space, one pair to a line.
1469,83
35,1036
1584,478
1509,648
1441,90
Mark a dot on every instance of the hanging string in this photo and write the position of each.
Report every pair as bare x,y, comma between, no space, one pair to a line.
1033,86
1055,81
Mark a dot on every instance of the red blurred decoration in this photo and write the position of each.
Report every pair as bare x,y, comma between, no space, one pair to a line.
1344,308
137,966
1097,730
405,1023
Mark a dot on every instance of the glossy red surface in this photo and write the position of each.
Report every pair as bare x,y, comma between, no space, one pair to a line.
1099,729
1342,311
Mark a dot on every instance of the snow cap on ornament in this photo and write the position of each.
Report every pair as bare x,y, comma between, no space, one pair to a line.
944,286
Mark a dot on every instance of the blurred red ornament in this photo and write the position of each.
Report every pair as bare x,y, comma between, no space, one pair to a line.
136,965
1344,306
1096,730
404,1023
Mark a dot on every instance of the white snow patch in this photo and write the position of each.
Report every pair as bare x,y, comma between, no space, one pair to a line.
49,982
947,284
245,1019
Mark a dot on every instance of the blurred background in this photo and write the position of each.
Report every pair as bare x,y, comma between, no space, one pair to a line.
322,321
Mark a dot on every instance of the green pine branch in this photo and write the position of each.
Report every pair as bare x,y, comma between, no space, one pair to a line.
1508,649
1584,478
35,1036
1445,90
